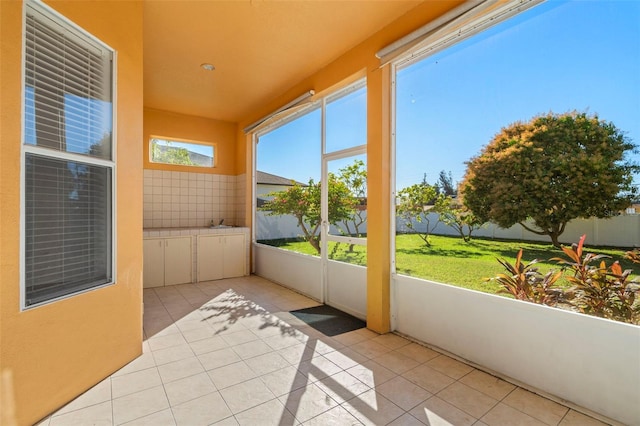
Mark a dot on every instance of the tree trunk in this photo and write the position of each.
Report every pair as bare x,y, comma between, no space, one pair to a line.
315,244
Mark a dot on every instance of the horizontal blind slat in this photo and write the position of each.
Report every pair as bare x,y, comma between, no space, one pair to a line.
68,224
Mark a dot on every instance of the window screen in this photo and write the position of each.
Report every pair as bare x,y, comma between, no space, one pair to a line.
68,186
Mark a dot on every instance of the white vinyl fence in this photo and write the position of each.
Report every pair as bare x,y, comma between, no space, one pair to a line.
618,231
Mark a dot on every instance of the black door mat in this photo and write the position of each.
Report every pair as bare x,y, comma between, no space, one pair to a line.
328,320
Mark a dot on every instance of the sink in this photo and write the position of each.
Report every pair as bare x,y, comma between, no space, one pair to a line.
221,226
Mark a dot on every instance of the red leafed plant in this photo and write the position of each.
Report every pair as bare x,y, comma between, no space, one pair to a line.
525,282
601,290
596,288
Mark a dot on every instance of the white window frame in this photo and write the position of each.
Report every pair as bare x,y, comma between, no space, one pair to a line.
75,31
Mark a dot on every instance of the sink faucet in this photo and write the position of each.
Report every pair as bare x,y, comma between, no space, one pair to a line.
221,220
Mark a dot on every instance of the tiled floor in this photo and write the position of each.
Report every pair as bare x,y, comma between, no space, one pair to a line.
228,353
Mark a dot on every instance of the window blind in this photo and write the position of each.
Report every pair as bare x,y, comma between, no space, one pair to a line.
68,90
68,227
68,185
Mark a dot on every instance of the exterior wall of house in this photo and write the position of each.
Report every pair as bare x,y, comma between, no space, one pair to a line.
52,353
199,129
357,63
263,189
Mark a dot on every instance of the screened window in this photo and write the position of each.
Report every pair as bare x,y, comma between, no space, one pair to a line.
68,159
451,103
289,174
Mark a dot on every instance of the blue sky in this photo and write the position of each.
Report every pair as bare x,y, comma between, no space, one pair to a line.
558,56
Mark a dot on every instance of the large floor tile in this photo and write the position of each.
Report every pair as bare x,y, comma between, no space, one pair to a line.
164,418
246,395
436,412
406,420
371,408
139,404
543,409
188,388
99,415
402,392
143,362
370,348
210,344
573,418
503,414
346,358
180,369
342,386
166,341
231,374
391,341
337,416
396,362
318,368
428,378
219,358
371,373
449,366
267,363
417,352
297,353
272,412
488,384
285,380
307,402
135,382
467,399
205,410
239,337
252,349
174,353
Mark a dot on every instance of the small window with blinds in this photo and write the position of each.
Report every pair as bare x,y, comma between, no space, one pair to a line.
68,159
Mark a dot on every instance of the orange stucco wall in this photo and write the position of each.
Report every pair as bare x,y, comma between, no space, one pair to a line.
50,354
221,134
361,61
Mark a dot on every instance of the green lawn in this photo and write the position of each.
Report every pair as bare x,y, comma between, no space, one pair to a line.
451,260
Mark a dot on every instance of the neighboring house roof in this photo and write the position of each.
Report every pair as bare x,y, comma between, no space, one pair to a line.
263,178
269,179
196,158
200,160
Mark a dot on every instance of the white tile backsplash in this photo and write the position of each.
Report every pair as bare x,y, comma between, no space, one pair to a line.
181,199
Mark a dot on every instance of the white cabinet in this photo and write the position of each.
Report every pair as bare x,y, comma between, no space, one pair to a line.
210,257
235,256
221,256
167,261
170,255
153,262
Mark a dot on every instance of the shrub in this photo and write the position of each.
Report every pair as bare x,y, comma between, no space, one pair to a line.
596,288
524,282
602,290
